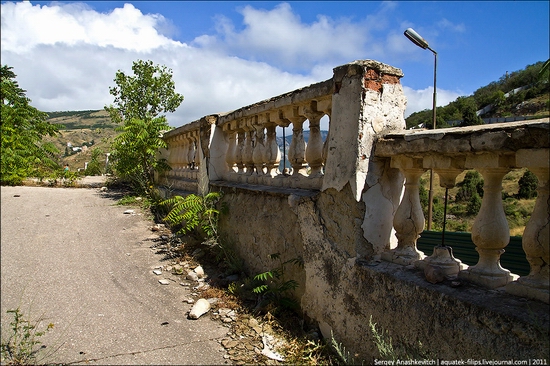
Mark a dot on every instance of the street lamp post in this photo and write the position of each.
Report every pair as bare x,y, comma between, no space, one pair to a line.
421,42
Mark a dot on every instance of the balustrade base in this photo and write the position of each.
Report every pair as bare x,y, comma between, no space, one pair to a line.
404,256
443,258
487,279
532,289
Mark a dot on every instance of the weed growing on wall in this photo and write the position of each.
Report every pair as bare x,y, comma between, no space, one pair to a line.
344,355
274,288
389,352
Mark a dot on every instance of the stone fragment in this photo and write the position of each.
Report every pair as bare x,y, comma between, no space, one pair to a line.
190,301
213,300
433,274
201,307
129,212
229,343
199,271
192,276
164,282
157,272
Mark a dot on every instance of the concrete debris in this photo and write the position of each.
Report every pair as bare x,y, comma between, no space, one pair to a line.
433,274
199,271
201,307
192,276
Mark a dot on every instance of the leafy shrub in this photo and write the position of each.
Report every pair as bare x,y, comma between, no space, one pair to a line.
194,212
94,166
470,185
528,185
274,288
474,204
23,344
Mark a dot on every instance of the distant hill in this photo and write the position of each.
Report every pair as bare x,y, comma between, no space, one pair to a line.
82,132
524,93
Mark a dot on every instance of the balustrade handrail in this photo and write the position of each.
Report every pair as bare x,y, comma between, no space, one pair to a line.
366,147
493,150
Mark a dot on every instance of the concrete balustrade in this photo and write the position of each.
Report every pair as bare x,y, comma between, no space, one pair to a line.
492,150
350,207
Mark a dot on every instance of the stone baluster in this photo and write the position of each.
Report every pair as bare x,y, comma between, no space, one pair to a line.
314,149
490,231
297,148
239,153
179,151
191,153
326,107
183,156
325,145
258,152
442,257
231,154
536,235
198,153
172,160
272,154
409,219
248,151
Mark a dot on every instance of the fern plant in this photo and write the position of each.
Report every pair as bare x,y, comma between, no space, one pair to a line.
274,288
194,212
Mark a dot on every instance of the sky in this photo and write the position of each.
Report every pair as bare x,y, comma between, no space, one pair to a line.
228,54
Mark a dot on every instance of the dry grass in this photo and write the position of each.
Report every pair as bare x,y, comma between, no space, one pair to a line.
510,187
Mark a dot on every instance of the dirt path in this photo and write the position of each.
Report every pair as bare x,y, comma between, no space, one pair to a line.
87,267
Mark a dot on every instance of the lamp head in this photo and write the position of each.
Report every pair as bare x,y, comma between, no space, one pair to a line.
416,38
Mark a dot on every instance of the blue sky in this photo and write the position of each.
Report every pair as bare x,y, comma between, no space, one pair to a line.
226,55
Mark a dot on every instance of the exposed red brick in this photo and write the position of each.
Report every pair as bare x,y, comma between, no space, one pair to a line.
373,85
390,79
373,80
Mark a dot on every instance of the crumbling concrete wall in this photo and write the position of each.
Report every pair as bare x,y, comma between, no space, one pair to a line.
341,230
342,291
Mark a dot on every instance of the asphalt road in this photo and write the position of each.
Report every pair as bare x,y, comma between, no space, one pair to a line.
73,257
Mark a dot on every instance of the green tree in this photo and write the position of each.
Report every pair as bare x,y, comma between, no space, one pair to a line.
528,185
139,103
474,204
469,115
470,186
94,166
22,126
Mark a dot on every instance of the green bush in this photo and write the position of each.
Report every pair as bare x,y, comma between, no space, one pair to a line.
471,184
528,185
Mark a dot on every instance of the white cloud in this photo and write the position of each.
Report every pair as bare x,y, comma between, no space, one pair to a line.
66,55
279,36
447,24
24,26
418,100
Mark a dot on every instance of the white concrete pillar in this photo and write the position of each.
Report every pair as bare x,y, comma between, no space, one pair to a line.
536,235
490,233
314,148
409,219
272,154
